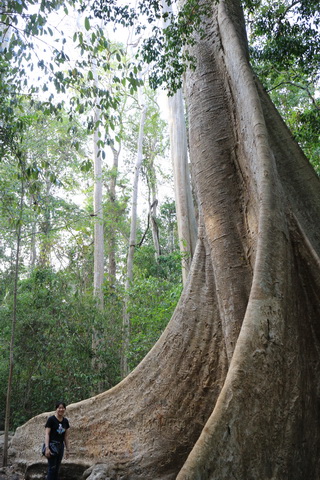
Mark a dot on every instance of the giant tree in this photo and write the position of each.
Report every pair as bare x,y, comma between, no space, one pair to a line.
231,389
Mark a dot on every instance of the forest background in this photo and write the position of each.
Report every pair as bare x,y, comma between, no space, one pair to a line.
64,339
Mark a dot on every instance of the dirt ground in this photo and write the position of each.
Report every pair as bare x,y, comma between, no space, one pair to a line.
9,473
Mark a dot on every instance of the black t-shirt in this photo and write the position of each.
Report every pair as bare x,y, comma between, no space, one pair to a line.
58,429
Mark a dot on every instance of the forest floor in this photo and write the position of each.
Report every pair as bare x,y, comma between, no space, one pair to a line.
9,474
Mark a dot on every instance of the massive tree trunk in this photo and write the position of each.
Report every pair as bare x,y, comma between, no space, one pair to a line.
232,388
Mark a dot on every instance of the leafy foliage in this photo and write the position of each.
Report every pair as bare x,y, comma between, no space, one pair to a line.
55,361
56,311
286,34
152,299
164,48
285,52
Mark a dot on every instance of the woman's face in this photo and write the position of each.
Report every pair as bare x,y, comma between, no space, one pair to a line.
61,410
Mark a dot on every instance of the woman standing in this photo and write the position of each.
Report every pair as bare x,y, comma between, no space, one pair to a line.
56,437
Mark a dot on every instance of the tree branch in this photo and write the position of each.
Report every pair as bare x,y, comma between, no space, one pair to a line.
306,89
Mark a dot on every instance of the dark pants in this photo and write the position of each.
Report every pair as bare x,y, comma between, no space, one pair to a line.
54,463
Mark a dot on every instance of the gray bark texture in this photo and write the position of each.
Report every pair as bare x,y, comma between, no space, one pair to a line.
132,240
98,273
232,388
186,217
185,210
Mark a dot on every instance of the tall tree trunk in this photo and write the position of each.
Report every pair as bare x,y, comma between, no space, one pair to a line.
132,241
155,228
186,219
45,241
264,245
98,206
98,252
152,197
33,249
231,389
112,230
185,211
13,334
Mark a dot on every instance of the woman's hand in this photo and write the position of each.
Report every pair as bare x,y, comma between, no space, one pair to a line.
48,453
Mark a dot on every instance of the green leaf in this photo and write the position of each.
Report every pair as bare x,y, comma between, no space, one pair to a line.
19,7
87,23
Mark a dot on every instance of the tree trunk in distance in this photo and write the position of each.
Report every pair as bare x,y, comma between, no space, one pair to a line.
152,197
132,241
33,248
13,335
231,389
185,211
186,218
155,228
98,255
98,207
45,246
112,237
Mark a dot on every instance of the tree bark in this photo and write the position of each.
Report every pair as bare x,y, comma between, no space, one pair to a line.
98,252
112,267
13,332
98,206
153,198
132,242
186,218
232,387
45,247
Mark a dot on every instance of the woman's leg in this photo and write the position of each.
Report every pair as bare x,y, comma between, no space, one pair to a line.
59,460
54,466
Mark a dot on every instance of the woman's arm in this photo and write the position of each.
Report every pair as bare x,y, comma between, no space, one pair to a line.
66,442
47,441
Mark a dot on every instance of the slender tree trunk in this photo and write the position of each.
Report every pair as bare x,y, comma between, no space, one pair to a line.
155,228
153,201
98,206
13,332
231,389
98,255
186,217
132,242
112,247
45,243
33,250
